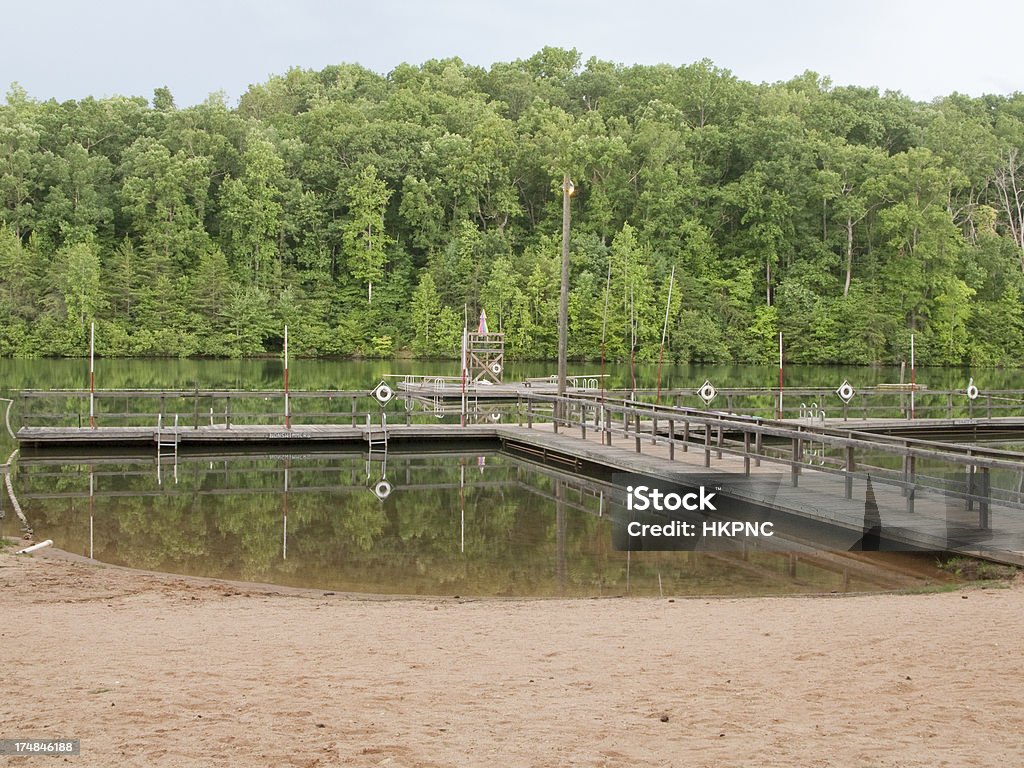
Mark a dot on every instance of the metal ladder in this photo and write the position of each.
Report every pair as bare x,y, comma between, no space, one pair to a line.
168,442
377,436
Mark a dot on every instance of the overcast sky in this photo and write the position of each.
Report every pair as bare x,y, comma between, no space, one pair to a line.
68,49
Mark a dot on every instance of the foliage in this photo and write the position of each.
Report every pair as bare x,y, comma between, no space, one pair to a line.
372,214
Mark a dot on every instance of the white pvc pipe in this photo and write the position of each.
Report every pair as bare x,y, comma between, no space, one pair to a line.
35,547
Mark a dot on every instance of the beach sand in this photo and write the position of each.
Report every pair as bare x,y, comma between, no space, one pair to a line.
149,669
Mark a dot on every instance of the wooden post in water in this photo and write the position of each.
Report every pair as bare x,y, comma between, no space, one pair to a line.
287,409
92,376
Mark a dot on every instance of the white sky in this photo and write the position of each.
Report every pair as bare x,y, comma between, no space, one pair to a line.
68,49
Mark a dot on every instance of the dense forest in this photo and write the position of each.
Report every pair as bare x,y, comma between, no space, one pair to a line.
371,213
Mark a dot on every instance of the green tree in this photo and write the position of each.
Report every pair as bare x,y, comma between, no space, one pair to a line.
365,241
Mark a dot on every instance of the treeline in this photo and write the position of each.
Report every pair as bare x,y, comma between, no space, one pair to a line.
370,213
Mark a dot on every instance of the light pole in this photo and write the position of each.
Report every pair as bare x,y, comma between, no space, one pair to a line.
563,304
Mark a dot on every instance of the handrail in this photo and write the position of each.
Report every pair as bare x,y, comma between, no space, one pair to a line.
775,428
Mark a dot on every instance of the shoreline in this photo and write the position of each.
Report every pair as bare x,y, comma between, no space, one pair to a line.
156,669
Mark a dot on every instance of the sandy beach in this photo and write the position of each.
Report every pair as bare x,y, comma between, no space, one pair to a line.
148,669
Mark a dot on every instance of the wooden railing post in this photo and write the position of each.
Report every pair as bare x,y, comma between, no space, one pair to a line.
911,480
636,423
797,456
707,444
746,453
686,436
983,504
850,468
671,439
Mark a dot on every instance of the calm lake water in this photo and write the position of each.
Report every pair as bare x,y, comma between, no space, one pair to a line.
475,522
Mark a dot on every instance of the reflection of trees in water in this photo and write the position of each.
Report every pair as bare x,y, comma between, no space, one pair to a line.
411,542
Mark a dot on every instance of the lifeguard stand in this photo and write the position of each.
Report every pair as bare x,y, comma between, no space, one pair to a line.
486,357
485,354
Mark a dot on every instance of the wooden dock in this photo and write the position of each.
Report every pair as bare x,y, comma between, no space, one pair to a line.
819,497
246,434
929,494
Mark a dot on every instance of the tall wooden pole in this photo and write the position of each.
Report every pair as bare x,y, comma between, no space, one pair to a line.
912,387
780,374
664,329
563,303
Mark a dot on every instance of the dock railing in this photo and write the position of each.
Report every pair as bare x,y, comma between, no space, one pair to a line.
223,408
975,476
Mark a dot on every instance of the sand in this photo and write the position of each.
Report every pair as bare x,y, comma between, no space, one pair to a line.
149,669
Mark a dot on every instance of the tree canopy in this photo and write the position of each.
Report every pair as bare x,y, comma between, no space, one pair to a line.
370,212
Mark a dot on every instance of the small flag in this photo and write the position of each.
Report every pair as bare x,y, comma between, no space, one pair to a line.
483,322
